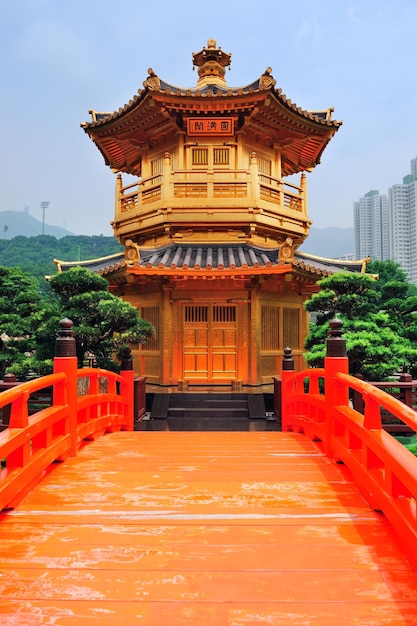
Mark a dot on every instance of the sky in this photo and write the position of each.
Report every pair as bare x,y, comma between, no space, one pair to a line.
60,58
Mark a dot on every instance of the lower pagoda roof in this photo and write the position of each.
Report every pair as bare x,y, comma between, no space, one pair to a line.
186,259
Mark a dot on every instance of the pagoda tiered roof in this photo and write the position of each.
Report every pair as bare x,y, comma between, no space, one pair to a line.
160,110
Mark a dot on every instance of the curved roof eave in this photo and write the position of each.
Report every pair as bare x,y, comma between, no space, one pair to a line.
101,118
104,261
156,86
340,264
322,117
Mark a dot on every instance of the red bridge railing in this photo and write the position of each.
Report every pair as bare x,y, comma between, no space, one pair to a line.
85,404
316,402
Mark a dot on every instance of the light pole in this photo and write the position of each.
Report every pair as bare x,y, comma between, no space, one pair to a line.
44,206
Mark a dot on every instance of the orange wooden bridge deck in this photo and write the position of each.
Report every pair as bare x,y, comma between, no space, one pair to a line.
201,528
103,525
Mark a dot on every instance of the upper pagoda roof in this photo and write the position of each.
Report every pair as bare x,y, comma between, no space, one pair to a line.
160,109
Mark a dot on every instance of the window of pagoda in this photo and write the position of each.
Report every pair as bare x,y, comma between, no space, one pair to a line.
209,157
268,161
153,161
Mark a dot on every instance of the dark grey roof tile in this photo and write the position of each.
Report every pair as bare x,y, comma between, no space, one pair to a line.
209,257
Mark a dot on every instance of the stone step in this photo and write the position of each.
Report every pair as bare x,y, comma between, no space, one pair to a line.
231,424
214,406
214,413
207,403
223,396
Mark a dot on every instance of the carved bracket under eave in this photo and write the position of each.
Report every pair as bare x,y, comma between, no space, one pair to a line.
132,254
286,251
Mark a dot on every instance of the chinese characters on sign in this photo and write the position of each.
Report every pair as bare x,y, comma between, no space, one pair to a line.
210,126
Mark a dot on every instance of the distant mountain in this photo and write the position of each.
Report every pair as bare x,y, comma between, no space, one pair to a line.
15,223
330,243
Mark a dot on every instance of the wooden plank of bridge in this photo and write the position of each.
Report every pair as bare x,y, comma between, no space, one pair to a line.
201,528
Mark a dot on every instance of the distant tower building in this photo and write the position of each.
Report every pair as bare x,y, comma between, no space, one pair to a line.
386,227
403,224
371,226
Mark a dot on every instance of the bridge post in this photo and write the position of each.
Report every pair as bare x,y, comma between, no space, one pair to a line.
286,374
66,361
335,361
127,373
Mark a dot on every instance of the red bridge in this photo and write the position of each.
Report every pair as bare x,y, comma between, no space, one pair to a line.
102,525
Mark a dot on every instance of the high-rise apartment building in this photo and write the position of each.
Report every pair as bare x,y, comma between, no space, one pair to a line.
386,227
402,225
371,226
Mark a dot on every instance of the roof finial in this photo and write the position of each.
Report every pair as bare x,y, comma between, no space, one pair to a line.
211,63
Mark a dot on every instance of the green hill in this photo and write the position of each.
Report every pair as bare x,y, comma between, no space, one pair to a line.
36,255
20,223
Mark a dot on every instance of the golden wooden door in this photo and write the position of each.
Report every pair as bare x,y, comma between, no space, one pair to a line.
210,351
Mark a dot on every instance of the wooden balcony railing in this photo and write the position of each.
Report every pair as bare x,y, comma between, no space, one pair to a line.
241,187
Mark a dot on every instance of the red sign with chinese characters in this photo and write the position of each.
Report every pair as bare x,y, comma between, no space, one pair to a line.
210,126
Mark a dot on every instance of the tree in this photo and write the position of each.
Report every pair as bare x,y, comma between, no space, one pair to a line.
376,345
35,255
387,272
19,302
351,294
398,297
103,323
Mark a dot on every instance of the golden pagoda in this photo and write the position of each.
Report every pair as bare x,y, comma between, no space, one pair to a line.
210,225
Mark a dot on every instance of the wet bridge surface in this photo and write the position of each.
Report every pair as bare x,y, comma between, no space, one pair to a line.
201,528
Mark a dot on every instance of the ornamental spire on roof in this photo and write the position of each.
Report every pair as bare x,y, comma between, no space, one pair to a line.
211,63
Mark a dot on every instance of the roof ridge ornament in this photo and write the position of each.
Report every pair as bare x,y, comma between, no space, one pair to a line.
152,81
267,80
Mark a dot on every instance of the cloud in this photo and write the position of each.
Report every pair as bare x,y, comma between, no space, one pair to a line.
309,32
353,16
